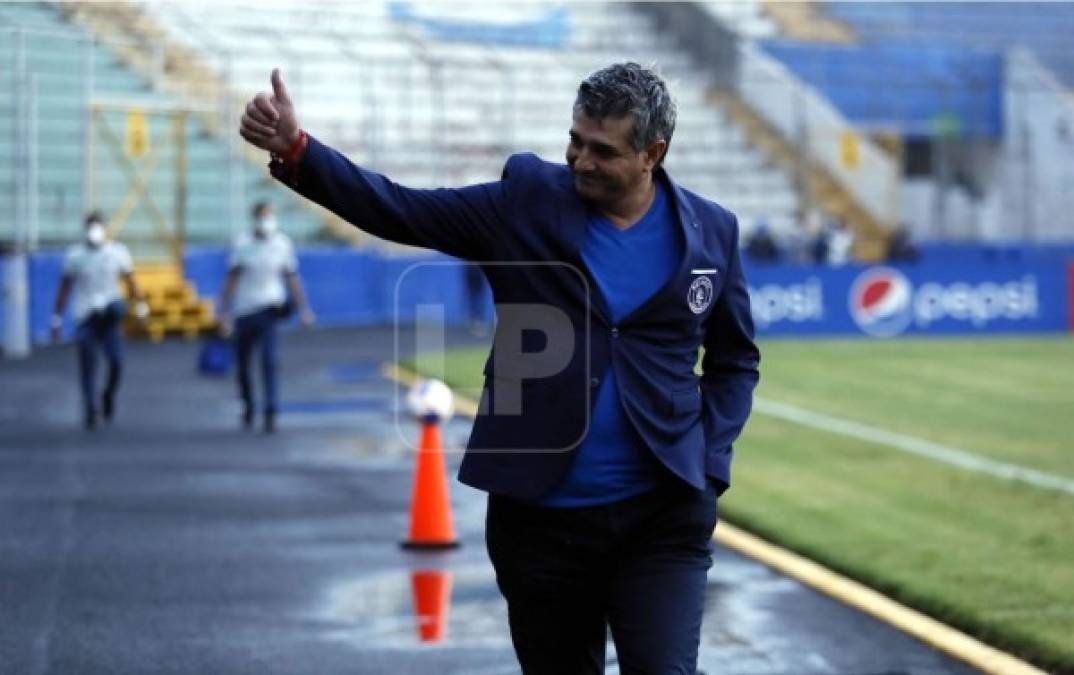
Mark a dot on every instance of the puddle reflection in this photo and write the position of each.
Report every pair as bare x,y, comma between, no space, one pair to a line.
422,606
432,602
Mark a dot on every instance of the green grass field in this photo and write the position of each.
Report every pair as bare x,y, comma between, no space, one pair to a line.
991,556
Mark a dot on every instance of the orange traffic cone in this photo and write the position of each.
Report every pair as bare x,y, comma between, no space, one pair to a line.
432,599
430,508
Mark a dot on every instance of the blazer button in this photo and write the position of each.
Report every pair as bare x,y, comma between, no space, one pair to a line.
594,382
615,331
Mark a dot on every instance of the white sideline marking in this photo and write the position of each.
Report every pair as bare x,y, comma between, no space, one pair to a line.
913,445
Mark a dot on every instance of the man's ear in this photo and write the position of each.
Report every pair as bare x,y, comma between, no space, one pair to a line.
654,153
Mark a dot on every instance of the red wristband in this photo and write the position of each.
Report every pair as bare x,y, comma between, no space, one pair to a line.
294,153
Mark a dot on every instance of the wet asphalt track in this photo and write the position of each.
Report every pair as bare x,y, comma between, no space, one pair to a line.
173,542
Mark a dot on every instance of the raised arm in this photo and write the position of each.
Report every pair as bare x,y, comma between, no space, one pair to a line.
462,222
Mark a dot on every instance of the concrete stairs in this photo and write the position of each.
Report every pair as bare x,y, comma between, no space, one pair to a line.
820,187
804,21
174,305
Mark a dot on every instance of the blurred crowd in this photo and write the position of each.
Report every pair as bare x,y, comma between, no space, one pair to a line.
816,240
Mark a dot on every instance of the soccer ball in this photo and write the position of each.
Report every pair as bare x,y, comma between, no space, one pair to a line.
431,398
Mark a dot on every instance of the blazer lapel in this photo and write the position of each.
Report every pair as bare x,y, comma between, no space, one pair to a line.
690,227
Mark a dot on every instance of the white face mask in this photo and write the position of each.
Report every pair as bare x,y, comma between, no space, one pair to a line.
95,234
265,226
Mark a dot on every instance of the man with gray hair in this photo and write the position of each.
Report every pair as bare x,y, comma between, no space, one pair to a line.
602,451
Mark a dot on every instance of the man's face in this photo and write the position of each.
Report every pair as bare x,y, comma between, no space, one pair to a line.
603,159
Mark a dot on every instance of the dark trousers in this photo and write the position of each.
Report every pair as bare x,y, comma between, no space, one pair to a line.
253,330
638,566
100,330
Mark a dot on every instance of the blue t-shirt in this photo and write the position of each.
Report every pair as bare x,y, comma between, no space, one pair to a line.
629,266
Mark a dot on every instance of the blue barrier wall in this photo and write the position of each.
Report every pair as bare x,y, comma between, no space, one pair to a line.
349,287
45,270
3,312
954,290
987,254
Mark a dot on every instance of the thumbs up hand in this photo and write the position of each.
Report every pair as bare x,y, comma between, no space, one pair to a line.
269,122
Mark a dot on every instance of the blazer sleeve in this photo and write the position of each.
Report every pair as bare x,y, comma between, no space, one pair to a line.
729,368
462,222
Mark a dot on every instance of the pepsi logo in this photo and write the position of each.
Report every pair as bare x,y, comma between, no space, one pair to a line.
880,302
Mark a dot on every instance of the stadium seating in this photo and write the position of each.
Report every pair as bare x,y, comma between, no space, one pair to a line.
440,93
940,63
921,84
1043,27
978,94
70,71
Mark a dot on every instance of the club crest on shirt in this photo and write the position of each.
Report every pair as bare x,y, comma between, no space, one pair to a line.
699,297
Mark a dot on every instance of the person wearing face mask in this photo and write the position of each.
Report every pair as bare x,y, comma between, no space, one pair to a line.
91,271
262,270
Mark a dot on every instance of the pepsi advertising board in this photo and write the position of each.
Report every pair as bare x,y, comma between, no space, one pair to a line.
923,299
948,292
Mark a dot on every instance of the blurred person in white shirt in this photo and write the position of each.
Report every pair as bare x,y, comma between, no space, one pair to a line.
262,270
92,269
840,243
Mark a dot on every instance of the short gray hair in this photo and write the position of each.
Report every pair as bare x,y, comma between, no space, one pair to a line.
630,89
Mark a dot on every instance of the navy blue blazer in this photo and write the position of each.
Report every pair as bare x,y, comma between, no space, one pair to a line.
554,327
